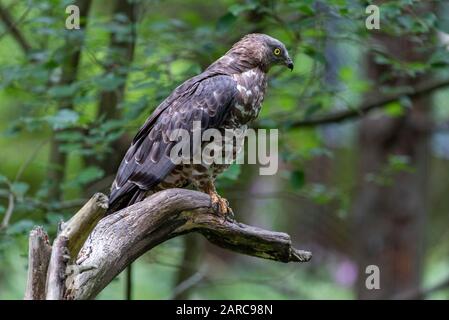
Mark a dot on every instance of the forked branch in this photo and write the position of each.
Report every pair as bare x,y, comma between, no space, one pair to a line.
118,239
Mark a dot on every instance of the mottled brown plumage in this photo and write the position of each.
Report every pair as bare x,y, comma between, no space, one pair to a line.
228,94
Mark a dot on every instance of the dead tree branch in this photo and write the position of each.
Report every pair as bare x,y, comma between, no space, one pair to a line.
118,239
38,259
14,30
80,226
57,269
69,241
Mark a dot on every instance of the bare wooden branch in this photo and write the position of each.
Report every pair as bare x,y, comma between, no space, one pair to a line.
57,269
9,211
120,238
77,229
70,240
38,258
245,239
14,30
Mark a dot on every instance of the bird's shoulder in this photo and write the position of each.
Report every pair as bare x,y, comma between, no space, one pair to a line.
217,87
206,98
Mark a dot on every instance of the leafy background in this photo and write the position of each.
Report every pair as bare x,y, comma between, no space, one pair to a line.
64,126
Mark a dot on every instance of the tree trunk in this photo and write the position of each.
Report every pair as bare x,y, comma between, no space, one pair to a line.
72,50
119,59
390,208
188,275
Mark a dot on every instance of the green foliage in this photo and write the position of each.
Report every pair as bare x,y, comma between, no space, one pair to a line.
395,164
176,40
297,179
63,119
19,189
87,175
394,109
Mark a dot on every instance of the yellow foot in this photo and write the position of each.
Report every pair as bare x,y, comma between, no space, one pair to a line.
221,206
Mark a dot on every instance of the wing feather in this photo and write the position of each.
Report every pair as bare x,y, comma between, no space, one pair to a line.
206,98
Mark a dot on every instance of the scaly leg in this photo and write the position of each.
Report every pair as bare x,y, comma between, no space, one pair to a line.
219,204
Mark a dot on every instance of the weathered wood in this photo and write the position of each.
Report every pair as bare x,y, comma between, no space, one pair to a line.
57,269
246,239
70,240
77,229
38,258
120,238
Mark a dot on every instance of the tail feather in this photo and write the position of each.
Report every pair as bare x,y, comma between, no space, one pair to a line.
132,194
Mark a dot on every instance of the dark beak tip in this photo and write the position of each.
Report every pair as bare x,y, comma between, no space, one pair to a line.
290,66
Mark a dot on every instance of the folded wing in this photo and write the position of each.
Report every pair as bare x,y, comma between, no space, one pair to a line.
206,98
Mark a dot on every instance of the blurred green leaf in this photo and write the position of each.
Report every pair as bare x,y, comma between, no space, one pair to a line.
225,22
86,175
314,53
19,189
109,82
394,109
238,9
398,163
233,172
63,91
20,227
306,9
63,119
3,179
297,179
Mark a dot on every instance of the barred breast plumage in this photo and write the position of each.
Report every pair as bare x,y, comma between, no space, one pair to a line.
251,86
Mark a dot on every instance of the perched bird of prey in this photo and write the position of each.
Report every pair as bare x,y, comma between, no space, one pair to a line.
227,95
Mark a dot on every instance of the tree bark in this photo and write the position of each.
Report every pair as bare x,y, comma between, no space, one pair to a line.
73,47
119,59
389,219
57,268
80,226
389,216
38,258
121,54
14,30
193,253
120,238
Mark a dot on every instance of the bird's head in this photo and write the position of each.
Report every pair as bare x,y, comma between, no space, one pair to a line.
262,50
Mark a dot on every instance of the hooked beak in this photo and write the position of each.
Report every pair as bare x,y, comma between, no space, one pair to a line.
289,64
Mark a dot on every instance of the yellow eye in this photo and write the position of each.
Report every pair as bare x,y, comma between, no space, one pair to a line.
277,51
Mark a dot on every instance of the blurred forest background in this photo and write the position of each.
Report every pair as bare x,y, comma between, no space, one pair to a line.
364,139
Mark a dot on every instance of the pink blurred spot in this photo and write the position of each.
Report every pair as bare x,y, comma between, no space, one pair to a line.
346,273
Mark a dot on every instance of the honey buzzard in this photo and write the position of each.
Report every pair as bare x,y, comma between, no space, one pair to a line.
227,95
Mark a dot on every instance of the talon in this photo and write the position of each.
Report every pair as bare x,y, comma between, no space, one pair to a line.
221,206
